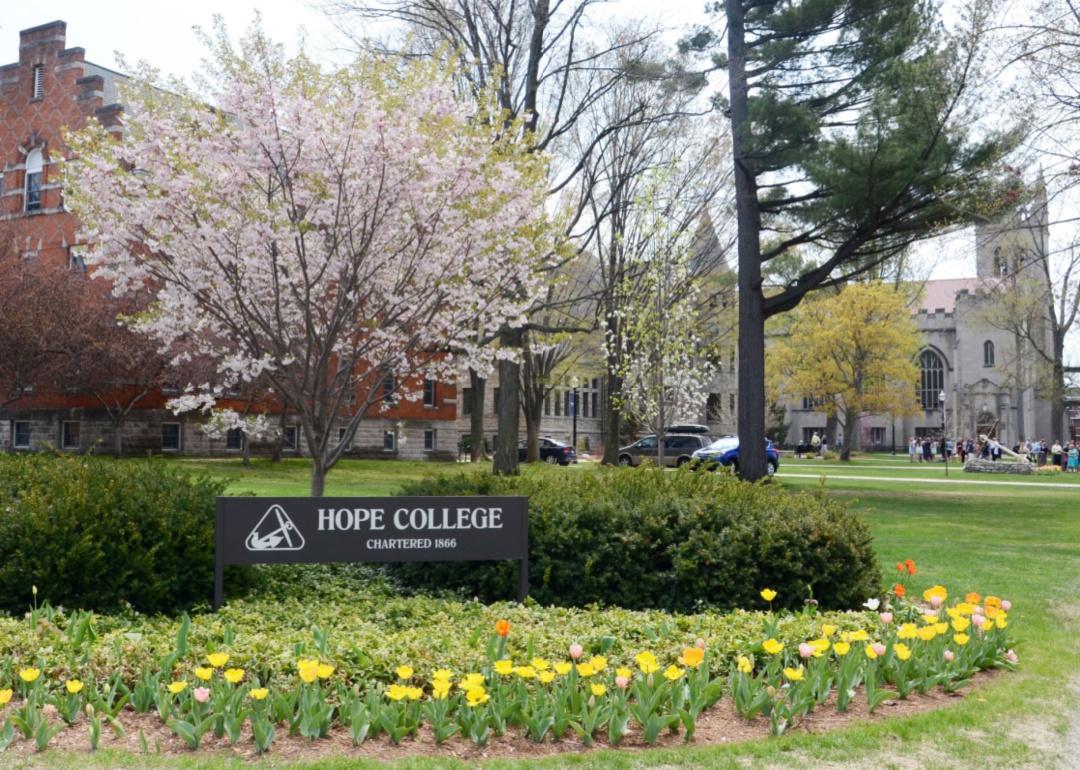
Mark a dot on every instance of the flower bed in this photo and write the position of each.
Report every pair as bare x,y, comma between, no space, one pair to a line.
589,693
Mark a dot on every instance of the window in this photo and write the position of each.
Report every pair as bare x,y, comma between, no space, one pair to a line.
69,435
731,403
558,399
988,353
234,439
170,436
429,440
568,397
812,403
292,438
931,379
583,404
466,401
35,165
39,81
341,435
595,402
20,434
389,441
429,393
877,436
77,259
547,404
388,386
649,442
714,407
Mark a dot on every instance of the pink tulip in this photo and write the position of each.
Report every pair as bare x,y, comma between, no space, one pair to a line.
622,682
879,648
976,610
886,618
806,650
201,694
576,651
700,644
935,601
949,656
1011,655
1006,605
977,621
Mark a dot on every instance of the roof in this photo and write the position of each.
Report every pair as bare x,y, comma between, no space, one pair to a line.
941,294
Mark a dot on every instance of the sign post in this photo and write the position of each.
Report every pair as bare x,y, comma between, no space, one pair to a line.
279,530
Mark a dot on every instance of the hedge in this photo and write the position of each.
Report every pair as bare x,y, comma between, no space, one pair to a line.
96,533
642,538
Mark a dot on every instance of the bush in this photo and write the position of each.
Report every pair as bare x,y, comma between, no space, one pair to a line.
96,533
638,538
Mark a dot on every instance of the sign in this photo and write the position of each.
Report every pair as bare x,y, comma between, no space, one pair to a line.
277,530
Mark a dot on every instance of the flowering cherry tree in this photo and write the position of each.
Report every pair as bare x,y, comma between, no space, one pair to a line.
326,231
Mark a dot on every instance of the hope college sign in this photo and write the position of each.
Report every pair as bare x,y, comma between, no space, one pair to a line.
275,530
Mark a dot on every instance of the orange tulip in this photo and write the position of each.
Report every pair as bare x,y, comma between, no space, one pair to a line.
502,627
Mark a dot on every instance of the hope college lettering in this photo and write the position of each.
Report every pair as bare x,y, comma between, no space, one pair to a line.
375,519
259,530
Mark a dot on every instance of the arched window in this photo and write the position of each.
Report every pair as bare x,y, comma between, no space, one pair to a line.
932,379
988,353
32,194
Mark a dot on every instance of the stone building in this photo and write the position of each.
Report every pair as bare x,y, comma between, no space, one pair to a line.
989,378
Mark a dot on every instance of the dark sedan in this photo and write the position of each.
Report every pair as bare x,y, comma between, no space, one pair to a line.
552,452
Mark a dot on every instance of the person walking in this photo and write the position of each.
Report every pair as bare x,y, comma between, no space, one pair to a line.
815,443
927,450
912,449
1056,452
1074,458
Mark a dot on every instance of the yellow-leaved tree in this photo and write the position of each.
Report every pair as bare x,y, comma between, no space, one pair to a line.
853,352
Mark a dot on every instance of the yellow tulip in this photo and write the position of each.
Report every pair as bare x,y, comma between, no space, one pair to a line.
744,665
926,633
903,652
204,673
396,692
74,686
474,680
525,672
820,646
540,664
563,668
938,591
177,687
324,670
598,663
960,624
1000,621
768,594
597,689
29,675
870,652
772,646
624,672
841,648
414,693
442,674
5,696
476,696
859,636
404,672
673,673
547,676
646,661
309,673
961,639
908,631
827,630
794,674
692,657
585,670
259,693
987,625
217,659
234,675
440,689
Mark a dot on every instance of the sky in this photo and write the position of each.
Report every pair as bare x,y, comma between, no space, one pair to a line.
162,34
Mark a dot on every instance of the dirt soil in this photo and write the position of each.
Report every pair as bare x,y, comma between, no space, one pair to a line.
719,725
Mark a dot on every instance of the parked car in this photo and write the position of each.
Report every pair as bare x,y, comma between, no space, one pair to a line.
725,452
551,451
679,449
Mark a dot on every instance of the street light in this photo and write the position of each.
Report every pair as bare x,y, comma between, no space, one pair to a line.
574,409
944,441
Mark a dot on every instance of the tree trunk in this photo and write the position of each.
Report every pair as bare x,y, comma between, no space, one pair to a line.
532,403
118,438
532,432
318,477
850,428
612,420
476,416
505,462
279,443
245,449
751,377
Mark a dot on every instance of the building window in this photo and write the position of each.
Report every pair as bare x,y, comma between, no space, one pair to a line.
988,353
714,407
389,441
731,403
69,435
877,436
429,393
20,434
170,436
35,166
429,440
547,404
292,438
557,397
931,379
568,397
466,402
341,435
234,439
77,259
595,402
39,81
389,385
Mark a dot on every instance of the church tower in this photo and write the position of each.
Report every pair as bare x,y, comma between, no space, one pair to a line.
1016,240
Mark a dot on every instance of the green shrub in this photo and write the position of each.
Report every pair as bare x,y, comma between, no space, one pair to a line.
678,541
96,533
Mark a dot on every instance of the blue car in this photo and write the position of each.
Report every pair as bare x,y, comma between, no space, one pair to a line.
725,452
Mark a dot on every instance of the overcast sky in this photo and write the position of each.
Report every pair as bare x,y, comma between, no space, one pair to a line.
162,34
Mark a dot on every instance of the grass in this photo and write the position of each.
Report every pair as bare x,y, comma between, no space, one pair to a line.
1021,543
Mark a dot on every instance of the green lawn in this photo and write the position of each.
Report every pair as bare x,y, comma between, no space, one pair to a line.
1020,542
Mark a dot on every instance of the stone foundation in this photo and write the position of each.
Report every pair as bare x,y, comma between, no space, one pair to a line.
975,465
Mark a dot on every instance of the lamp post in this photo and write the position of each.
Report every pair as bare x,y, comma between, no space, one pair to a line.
944,440
574,410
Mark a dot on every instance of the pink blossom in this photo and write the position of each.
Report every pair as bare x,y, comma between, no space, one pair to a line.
977,621
886,618
806,650
201,694
935,601
622,682
1011,655
576,651
879,648
949,656
1006,605
700,643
